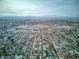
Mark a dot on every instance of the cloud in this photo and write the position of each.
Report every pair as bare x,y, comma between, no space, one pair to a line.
39,7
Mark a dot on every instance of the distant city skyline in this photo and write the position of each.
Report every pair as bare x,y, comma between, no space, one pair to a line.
39,8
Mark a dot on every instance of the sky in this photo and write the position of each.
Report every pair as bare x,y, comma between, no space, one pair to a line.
39,8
